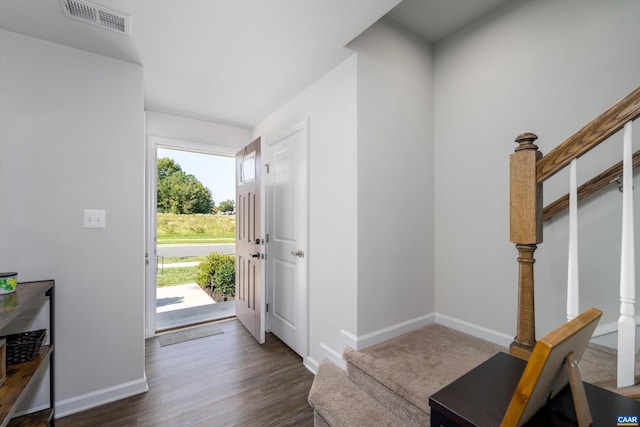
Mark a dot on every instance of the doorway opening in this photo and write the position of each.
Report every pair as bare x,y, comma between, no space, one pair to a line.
194,237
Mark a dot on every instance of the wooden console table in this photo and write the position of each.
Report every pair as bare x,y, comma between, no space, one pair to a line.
20,375
480,399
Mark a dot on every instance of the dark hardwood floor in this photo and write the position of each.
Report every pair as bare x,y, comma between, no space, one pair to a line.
221,380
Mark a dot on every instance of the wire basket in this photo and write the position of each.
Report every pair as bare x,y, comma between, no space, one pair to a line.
24,346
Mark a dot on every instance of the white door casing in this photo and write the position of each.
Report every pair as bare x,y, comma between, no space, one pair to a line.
151,175
287,231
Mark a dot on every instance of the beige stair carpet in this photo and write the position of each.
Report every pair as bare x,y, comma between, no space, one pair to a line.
337,401
403,372
417,364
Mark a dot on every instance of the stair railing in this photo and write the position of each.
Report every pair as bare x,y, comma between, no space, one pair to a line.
529,169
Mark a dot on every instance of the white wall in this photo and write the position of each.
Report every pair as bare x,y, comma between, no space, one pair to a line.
72,137
395,182
371,192
546,67
330,105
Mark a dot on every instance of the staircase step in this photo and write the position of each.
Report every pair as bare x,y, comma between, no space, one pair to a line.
598,366
402,408
391,382
337,401
632,392
403,372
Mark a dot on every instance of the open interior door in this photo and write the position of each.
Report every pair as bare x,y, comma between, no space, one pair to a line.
249,241
287,230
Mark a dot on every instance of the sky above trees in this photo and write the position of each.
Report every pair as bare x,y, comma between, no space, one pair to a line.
217,173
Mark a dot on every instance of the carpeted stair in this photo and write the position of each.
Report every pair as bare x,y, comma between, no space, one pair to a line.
345,403
390,383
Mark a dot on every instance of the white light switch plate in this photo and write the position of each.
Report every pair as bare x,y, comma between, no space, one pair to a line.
94,218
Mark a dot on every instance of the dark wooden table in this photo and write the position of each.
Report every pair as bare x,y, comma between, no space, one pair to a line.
480,398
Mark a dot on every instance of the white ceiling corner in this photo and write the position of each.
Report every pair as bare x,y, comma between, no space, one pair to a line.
232,61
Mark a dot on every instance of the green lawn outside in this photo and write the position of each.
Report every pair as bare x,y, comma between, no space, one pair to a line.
175,276
195,228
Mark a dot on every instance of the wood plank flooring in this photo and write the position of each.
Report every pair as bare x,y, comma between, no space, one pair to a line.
222,380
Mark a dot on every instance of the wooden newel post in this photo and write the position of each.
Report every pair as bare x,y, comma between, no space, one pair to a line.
526,233
525,340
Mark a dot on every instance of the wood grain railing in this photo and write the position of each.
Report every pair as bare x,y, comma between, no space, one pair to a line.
590,136
528,171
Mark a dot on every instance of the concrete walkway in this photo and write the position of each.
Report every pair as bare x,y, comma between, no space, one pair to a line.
184,305
170,298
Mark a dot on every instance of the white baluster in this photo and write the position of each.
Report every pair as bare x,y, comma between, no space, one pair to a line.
626,322
573,287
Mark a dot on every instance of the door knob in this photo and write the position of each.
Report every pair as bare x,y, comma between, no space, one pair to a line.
298,253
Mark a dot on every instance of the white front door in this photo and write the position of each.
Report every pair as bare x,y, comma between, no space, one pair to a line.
287,234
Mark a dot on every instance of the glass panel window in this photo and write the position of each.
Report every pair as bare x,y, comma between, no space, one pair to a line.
248,168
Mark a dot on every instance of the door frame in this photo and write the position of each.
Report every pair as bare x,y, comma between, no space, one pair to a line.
303,127
151,175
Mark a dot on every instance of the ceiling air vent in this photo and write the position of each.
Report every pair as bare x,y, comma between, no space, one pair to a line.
97,15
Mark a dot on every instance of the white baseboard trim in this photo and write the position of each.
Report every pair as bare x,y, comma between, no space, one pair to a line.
474,330
607,328
100,397
372,338
311,364
350,339
375,337
334,356
329,353
607,334
30,411
358,343
611,328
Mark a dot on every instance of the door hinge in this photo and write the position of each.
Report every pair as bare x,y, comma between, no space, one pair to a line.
266,166
266,239
267,307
